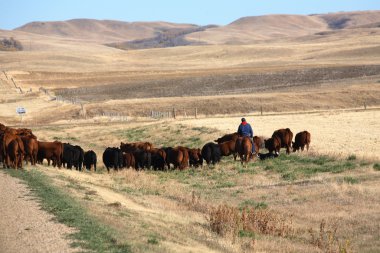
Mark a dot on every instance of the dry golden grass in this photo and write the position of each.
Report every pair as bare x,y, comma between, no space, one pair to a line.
168,211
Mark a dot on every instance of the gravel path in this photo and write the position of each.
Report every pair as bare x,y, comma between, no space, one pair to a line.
24,227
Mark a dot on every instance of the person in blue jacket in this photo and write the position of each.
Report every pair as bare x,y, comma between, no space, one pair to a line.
245,129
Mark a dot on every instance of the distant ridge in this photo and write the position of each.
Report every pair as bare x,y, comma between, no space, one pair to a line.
102,31
245,30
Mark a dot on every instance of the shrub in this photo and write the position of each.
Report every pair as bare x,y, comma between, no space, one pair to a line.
376,166
10,45
229,221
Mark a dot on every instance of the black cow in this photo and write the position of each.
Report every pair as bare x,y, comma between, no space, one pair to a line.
78,157
89,160
158,162
68,155
211,153
72,156
143,159
268,155
113,158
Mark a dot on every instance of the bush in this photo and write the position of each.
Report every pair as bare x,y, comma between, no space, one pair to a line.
10,45
230,221
376,166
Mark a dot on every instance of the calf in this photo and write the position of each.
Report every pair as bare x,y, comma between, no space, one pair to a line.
268,155
89,160
273,144
302,139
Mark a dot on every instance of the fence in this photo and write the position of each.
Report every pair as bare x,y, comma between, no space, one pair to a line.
113,116
174,113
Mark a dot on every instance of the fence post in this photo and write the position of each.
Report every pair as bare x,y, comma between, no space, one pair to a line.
14,83
261,110
196,112
174,113
365,105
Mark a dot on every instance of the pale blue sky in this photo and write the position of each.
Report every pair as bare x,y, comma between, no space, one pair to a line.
221,12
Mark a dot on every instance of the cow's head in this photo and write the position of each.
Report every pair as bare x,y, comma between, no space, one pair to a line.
294,146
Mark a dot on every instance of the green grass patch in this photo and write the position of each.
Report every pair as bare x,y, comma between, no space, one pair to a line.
252,203
292,167
244,233
133,134
376,166
350,180
225,184
91,234
153,239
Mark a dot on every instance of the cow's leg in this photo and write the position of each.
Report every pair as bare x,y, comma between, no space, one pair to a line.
8,163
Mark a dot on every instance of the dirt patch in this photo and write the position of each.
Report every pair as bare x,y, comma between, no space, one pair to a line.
24,226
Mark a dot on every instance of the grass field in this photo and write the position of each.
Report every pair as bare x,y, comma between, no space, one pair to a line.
304,199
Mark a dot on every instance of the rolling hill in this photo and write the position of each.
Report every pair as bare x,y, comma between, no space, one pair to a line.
245,30
102,31
248,30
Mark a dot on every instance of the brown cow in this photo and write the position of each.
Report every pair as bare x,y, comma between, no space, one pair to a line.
228,148
273,144
31,149
302,139
25,132
285,136
158,151
244,149
133,146
50,151
15,155
257,141
128,160
227,137
7,138
178,156
195,157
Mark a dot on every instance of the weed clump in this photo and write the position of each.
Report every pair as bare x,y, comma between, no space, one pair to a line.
327,240
230,221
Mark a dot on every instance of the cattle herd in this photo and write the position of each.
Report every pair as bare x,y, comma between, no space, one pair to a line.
18,145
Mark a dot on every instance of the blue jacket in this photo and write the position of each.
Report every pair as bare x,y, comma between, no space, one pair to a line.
245,130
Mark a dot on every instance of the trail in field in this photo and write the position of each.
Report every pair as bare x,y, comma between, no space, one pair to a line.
24,226
161,216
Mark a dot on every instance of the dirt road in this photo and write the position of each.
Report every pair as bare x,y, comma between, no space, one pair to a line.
24,226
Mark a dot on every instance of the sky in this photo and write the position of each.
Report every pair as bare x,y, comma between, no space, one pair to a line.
201,12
